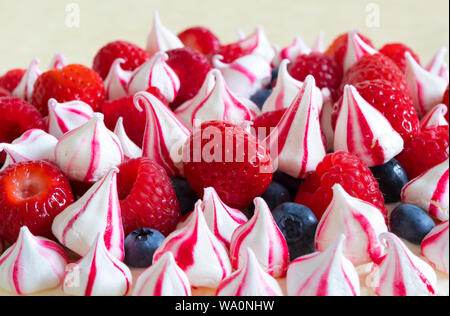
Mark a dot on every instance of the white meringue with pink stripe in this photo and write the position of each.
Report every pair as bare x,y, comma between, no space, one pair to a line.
130,149
96,212
246,75
24,89
364,131
164,134
98,273
163,278
435,117
257,43
116,83
319,44
250,280
435,247
219,104
426,88
197,252
360,222
326,273
296,144
64,117
326,119
356,49
400,272
34,144
262,235
88,152
161,39
32,264
291,52
155,73
438,66
59,61
430,191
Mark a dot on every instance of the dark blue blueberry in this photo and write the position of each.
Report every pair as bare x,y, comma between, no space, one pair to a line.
275,195
392,178
260,97
290,183
186,196
411,223
274,75
140,247
298,225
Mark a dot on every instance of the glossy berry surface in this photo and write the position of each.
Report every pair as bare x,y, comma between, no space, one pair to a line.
396,52
140,247
290,183
275,195
392,178
11,79
186,196
201,39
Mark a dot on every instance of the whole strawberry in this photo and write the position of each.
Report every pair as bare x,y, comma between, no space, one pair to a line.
396,52
11,79
266,122
201,39
224,156
72,82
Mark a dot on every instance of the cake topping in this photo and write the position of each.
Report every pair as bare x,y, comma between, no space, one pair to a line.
64,117
197,252
88,152
438,66
257,43
96,212
246,75
116,83
164,134
425,87
155,73
401,273
161,39
356,48
130,149
296,144
327,273
430,191
59,61
99,273
249,280
319,45
163,278
435,117
364,131
361,223
219,104
262,235
25,88
32,264
291,52
435,247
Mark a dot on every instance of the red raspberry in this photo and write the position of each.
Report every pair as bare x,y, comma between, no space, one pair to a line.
338,48
445,101
396,52
11,79
268,120
32,194
239,174
231,52
4,93
392,102
425,151
201,39
73,82
147,197
133,55
324,69
191,67
347,170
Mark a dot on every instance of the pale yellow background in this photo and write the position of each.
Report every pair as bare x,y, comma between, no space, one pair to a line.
36,28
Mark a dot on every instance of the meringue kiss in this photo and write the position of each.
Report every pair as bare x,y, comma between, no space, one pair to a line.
356,48
116,83
130,149
24,89
161,39
435,247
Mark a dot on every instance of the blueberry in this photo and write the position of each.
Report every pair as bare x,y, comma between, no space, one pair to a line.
186,196
140,246
392,178
411,223
290,183
298,225
274,76
260,97
275,195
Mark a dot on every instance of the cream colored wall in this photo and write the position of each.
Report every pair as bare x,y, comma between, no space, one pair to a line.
37,28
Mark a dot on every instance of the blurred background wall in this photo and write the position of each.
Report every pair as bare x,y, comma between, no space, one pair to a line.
38,28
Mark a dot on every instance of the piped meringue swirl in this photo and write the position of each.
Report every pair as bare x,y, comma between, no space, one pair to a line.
161,39
24,89
116,83
435,247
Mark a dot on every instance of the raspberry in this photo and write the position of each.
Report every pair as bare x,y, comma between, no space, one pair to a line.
191,67
133,55
445,101
324,69
396,52
73,82
347,170
32,194
425,151
201,39
238,174
393,103
231,52
4,93
268,120
11,79
338,48
147,197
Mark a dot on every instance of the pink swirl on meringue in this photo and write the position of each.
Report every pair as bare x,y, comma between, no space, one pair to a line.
24,89
130,149
400,272
435,247
356,49
319,44
116,83
327,273
438,65
257,43
364,131
291,52
250,280
32,264
262,235
435,117
161,39
59,61
296,144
